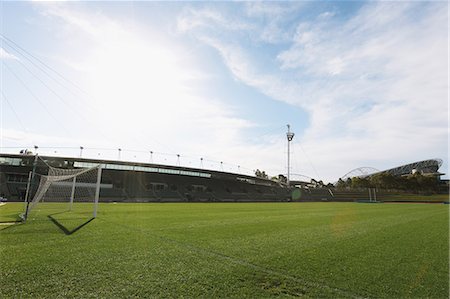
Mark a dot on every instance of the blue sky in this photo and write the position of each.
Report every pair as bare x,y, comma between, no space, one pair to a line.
361,83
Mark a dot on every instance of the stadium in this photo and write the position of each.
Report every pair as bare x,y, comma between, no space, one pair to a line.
139,182
123,181
118,229
143,151
426,167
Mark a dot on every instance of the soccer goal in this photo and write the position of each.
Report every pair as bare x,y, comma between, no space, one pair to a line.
64,190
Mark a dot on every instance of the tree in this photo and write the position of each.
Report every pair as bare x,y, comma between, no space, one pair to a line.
359,182
384,180
279,179
341,183
282,178
422,183
261,174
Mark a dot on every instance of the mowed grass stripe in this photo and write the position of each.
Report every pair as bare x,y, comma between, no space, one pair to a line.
343,229
233,250
394,213
141,256
319,289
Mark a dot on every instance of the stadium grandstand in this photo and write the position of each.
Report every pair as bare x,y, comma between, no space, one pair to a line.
426,167
123,181
143,182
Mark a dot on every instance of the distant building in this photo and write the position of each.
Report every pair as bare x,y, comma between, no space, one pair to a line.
425,167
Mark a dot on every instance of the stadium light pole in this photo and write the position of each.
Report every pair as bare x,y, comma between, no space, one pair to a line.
290,136
81,151
151,156
119,152
201,163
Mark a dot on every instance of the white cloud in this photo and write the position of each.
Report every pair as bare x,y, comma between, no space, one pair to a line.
326,15
271,10
6,55
26,138
208,18
48,1
143,94
377,83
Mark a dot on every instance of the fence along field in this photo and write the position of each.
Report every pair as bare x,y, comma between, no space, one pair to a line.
229,250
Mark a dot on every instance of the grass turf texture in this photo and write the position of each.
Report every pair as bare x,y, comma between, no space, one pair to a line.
229,250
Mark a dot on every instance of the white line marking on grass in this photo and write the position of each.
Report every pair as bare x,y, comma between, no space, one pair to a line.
8,223
266,270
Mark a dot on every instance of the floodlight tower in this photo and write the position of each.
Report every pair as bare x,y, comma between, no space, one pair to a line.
290,136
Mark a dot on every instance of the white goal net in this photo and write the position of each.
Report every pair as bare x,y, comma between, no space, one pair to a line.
64,190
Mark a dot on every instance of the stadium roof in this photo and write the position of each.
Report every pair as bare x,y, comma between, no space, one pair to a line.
430,166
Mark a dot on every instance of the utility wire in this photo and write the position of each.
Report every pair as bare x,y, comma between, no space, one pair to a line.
310,163
14,44
14,48
14,112
25,54
1,79
52,91
43,63
36,98
104,132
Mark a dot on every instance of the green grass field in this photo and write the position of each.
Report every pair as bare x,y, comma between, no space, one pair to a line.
227,250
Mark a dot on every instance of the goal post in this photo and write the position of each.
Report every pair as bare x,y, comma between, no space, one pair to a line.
65,190
97,189
72,194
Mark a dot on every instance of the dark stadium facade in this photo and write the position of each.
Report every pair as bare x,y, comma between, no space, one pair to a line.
142,182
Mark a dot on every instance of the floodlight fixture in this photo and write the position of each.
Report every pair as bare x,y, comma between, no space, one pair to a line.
290,135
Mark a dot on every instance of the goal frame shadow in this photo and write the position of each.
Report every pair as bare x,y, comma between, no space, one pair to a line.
64,229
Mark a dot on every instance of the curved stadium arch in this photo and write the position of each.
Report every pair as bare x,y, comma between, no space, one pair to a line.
427,167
